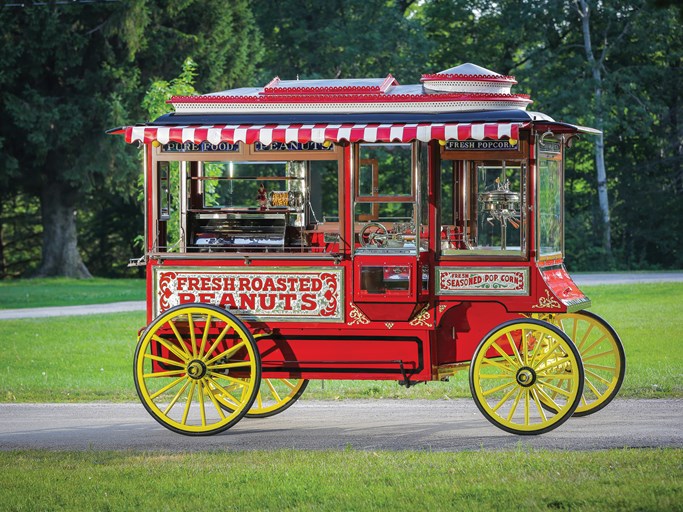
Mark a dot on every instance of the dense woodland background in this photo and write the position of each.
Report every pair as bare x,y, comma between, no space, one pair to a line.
69,70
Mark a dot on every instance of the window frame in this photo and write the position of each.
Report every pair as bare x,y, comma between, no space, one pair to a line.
548,148
465,167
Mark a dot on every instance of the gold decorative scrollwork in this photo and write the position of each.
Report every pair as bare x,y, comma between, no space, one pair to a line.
442,307
422,318
547,302
389,325
357,316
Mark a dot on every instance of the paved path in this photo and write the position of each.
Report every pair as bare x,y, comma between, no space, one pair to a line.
627,277
118,307
93,309
439,425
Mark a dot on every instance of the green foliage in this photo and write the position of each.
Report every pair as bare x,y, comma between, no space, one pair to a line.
66,69
69,71
340,39
221,37
542,45
20,233
160,91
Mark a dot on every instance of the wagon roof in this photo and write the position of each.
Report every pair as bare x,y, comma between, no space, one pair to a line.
467,87
464,102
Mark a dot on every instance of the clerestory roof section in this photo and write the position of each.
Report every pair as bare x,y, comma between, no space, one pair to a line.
345,86
464,88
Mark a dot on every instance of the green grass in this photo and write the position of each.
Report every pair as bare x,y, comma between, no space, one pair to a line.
65,359
345,480
648,319
35,293
90,357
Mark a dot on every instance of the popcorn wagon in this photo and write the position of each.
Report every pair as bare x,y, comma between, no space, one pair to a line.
363,229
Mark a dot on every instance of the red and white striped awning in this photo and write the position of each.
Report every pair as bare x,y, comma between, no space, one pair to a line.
266,134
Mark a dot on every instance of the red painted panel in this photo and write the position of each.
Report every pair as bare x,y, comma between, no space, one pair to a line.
463,327
561,284
344,355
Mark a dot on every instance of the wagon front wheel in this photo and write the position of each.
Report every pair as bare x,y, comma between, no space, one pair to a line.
515,371
184,356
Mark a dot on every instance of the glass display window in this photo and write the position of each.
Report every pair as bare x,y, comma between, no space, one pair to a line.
385,200
483,208
550,207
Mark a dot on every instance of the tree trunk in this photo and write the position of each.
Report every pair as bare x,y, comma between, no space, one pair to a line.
60,243
3,265
596,66
603,198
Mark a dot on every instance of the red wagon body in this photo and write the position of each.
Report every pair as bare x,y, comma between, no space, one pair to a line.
361,229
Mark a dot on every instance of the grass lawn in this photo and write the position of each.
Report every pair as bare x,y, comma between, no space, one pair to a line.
36,293
85,358
343,480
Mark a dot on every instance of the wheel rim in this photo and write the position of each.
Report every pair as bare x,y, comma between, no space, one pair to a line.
602,354
273,397
184,356
515,370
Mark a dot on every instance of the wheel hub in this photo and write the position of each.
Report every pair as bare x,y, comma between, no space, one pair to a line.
526,377
196,369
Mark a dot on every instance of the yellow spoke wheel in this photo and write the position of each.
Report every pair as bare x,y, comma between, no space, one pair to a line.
274,397
515,371
602,354
184,356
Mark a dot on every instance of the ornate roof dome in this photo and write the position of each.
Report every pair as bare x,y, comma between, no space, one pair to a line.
468,78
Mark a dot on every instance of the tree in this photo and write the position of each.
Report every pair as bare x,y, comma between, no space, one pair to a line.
68,72
62,78
644,139
341,39
596,66
626,85
222,38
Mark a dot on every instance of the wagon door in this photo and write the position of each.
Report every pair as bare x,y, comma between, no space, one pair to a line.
389,255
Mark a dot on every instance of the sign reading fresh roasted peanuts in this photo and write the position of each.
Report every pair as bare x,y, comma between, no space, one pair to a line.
474,281
261,294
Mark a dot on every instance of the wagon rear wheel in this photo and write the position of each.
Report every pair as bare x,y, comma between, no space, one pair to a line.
274,397
602,354
186,354
516,370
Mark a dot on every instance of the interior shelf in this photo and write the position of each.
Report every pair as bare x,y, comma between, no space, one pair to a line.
235,230
246,178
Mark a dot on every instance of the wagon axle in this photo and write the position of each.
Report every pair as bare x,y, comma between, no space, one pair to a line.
196,369
526,377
